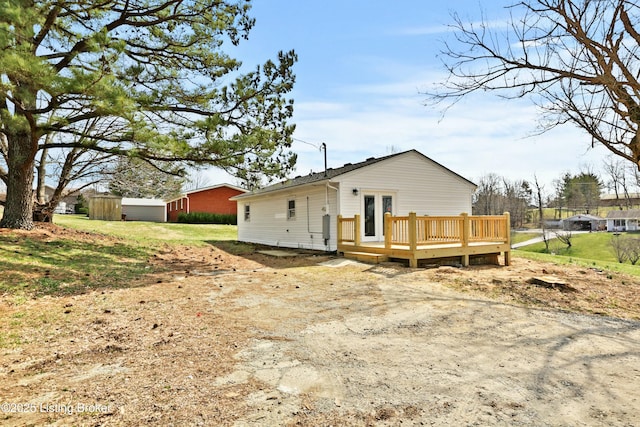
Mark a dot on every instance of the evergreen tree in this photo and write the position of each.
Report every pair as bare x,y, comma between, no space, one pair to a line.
151,75
138,178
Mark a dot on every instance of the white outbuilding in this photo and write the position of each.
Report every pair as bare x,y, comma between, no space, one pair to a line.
153,210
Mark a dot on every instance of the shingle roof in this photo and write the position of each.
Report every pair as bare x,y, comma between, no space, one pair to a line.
627,214
211,187
584,217
332,173
137,201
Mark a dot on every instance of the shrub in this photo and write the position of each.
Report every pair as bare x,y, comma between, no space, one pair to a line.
207,218
626,248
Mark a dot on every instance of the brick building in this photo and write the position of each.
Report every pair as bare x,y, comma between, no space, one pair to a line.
214,199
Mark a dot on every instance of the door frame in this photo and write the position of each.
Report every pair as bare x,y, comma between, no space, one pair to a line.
378,218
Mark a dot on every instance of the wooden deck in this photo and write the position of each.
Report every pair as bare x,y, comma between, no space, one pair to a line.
417,238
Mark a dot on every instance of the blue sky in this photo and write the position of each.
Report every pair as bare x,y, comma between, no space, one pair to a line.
361,68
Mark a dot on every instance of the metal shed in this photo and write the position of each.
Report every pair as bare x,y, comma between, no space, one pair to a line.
153,210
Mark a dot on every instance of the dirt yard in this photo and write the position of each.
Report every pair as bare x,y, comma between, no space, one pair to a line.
316,340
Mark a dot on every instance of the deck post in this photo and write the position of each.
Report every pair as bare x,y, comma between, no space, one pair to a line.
356,230
413,239
507,253
339,234
466,229
388,230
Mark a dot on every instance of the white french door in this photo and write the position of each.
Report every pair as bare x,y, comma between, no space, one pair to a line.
374,206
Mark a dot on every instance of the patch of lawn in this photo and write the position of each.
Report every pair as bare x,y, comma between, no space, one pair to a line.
151,232
113,255
523,237
37,267
588,249
593,246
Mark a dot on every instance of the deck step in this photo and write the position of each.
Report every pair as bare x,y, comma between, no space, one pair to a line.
367,257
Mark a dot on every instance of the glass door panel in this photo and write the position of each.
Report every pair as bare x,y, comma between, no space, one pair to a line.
369,216
387,206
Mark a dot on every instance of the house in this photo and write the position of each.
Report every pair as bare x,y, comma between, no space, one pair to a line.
214,199
583,222
67,203
626,220
302,212
135,209
620,199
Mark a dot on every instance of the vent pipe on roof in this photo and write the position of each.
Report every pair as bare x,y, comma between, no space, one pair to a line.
323,146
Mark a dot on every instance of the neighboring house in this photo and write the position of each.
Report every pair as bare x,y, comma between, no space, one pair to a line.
584,222
623,220
143,210
622,199
302,212
66,204
214,199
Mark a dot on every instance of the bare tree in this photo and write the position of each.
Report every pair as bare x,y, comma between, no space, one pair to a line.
68,169
539,190
617,174
195,180
632,249
576,59
488,198
565,237
617,245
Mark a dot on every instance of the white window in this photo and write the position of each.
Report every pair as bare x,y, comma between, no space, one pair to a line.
247,212
291,209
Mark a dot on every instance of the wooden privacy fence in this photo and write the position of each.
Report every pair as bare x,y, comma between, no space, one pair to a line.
423,236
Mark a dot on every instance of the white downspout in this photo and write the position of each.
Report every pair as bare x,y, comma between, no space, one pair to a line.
327,207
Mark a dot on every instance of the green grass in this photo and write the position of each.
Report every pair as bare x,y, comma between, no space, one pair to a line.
523,237
612,267
589,249
34,267
152,232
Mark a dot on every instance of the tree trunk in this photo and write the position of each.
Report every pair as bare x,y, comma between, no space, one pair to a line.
41,194
18,209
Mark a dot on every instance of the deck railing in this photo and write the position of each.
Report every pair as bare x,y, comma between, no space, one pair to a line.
489,228
348,230
414,231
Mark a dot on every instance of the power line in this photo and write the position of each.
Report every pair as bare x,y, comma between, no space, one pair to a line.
318,146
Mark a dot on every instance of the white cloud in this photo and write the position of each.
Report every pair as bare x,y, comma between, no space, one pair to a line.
481,134
477,136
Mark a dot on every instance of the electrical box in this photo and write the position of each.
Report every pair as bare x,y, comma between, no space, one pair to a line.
326,227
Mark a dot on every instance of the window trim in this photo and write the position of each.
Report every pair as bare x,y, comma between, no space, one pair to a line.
291,211
247,212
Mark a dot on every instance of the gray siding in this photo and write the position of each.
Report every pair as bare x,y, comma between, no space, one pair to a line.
144,213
